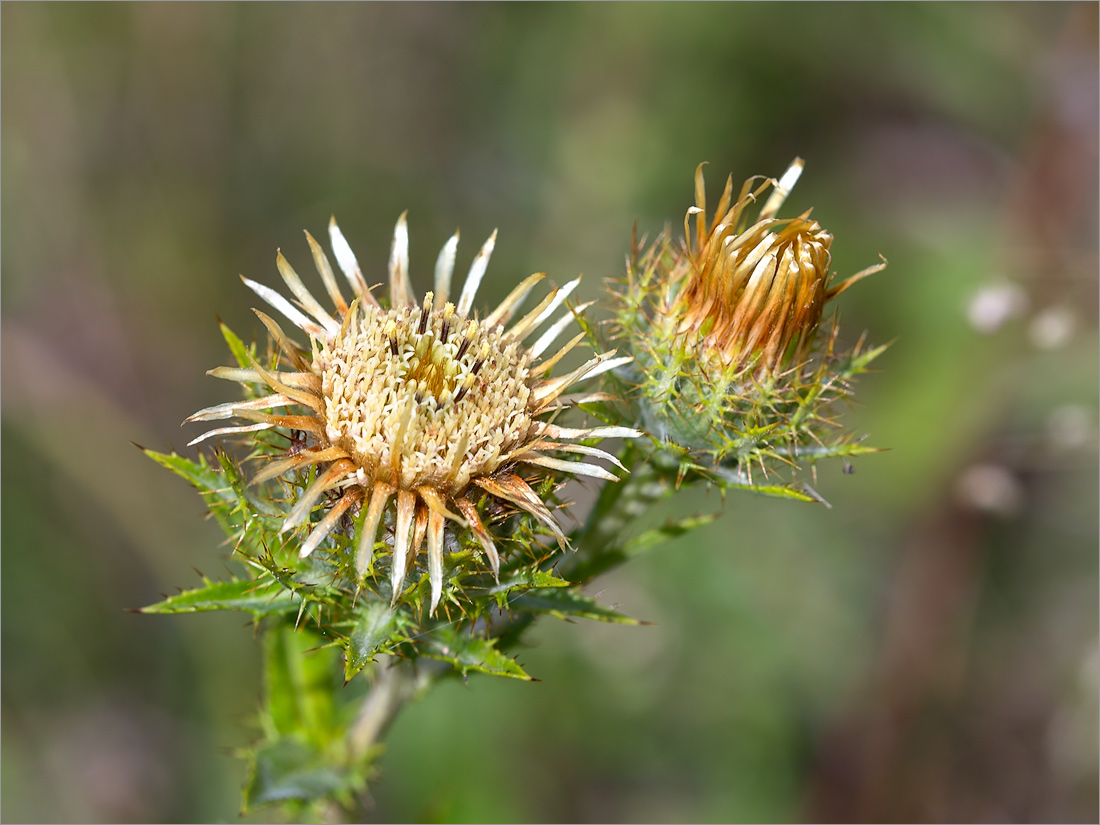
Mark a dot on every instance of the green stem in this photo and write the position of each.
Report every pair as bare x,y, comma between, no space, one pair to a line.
619,504
648,482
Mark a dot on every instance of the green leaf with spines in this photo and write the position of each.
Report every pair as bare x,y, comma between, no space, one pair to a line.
217,490
200,473
466,652
232,473
525,578
727,479
859,360
819,451
289,770
567,604
260,598
310,585
376,629
224,491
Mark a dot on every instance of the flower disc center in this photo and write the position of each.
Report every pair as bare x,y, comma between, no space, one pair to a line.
433,368
421,397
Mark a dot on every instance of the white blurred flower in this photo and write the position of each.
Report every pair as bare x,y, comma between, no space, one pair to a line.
1052,328
993,305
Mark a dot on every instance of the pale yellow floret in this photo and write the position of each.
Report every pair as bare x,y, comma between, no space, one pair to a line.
408,372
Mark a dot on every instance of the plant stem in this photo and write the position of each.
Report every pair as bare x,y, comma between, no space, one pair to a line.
618,505
397,682
647,482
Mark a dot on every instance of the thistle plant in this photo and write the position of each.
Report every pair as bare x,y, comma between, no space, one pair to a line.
396,509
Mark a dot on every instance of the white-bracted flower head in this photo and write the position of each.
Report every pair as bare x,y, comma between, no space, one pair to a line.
421,403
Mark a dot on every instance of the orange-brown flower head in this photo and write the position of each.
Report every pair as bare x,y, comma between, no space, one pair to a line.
755,289
422,402
724,327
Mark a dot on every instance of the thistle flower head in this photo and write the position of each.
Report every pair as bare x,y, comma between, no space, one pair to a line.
755,289
420,403
725,326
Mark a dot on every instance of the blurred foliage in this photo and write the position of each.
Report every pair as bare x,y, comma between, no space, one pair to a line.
925,650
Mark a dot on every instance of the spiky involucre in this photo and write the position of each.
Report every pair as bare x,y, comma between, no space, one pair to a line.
421,403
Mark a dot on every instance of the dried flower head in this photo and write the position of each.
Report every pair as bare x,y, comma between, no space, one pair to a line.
755,290
724,326
423,403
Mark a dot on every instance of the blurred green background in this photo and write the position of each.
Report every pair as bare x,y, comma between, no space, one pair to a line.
924,650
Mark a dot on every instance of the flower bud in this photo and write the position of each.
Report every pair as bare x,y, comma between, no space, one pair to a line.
725,326
754,292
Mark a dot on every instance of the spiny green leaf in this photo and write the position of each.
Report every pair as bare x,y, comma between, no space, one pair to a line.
567,604
860,360
199,473
233,477
819,451
257,598
467,652
734,480
290,770
221,490
312,579
377,628
748,437
525,578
